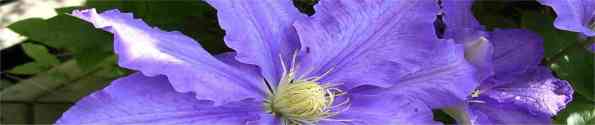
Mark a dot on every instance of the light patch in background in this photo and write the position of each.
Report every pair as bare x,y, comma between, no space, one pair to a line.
24,9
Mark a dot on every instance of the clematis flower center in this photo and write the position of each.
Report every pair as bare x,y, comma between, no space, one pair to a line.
301,102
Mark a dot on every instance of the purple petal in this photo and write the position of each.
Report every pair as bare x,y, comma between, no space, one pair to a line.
498,114
187,65
384,43
445,79
357,41
480,53
229,59
515,51
383,110
138,99
537,91
574,15
462,26
260,31
266,119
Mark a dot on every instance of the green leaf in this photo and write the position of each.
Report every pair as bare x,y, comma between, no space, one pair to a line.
28,68
38,29
579,103
577,67
57,76
586,117
555,40
88,45
495,14
564,53
40,54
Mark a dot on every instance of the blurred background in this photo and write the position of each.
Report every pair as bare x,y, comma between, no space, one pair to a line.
49,59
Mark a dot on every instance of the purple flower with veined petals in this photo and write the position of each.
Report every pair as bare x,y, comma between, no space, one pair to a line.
286,68
574,15
520,90
462,27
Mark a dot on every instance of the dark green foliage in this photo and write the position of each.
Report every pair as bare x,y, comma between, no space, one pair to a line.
43,60
88,45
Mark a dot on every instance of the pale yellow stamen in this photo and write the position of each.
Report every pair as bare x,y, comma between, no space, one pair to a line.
301,101
475,93
298,100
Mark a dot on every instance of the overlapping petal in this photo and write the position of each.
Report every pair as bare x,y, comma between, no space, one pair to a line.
515,51
383,43
574,15
462,26
445,79
460,22
187,65
537,91
354,40
500,114
260,31
138,99
383,109
521,92
532,98
479,52
229,59
518,91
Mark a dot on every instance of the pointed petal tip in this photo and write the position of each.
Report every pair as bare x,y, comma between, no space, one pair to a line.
564,88
186,64
98,19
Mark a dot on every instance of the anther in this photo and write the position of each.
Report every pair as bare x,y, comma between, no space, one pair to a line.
301,101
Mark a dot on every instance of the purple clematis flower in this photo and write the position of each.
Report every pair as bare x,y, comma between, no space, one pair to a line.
520,91
287,67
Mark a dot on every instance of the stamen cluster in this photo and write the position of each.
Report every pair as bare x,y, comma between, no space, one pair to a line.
298,100
301,102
